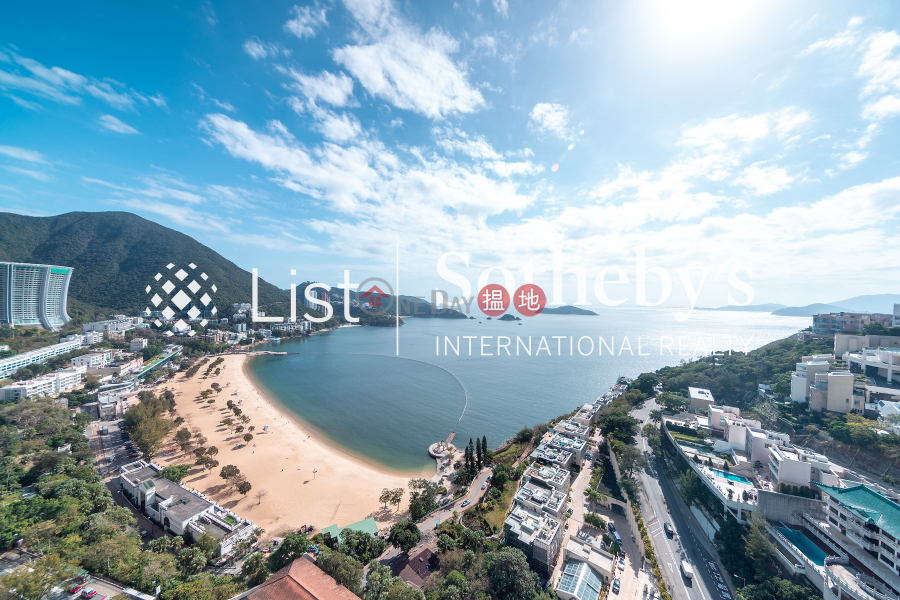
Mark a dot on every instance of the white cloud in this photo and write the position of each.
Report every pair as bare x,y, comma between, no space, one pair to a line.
159,187
762,181
307,20
57,84
409,69
204,97
717,133
29,173
486,43
880,63
333,89
843,39
338,128
851,159
578,34
398,122
886,106
508,169
22,154
113,124
258,49
553,118
502,7
477,147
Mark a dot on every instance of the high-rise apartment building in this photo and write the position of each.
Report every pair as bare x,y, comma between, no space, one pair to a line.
34,295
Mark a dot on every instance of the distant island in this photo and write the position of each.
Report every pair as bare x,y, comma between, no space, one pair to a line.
568,310
508,317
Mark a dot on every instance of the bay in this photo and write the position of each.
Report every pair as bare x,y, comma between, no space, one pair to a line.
351,386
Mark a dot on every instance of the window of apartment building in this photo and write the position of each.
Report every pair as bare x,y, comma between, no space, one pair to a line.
886,560
843,517
833,520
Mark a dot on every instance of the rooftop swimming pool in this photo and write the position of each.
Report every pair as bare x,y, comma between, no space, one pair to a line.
804,545
727,475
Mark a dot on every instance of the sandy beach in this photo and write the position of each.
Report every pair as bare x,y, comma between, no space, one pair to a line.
345,488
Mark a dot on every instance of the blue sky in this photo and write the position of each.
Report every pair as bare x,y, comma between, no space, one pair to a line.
718,137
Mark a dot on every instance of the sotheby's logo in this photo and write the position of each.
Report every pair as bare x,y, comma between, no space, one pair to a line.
182,296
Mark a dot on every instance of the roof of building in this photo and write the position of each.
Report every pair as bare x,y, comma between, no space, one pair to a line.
416,569
185,504
300,580
580,580
366,525
869,505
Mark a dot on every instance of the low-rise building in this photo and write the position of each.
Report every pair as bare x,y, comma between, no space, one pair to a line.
804,375
300,580
700,399
573,429
549,476
578,447
48,384
137,344
537,534
586,415
95,359
718,413
10,365
869,519
550,455
215,336
181,511
796,466
587,567
107,327
760,443
541,499
832,323
844,342
834,391
302,326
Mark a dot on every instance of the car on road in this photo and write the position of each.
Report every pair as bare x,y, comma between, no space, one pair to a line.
687,570
484,485
616,585
612,528
88,593
134,454
143,533
669,529
622,562
465,504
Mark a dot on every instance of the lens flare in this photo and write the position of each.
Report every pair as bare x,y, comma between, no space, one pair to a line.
555,167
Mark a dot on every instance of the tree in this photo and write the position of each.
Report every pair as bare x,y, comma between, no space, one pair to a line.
672,401
422,494
510,576
690,486
757,546
446,543
244,487
385,496
649,431
397,497
205,394
405,535
183,439
757,466
500,476
207,543
524,435
631,459
34,580
656,416
471,539
192,560
484,449
379,582
255,569
646,382
228,473
175,473
248,437
149,435
293,546
212,451
346,570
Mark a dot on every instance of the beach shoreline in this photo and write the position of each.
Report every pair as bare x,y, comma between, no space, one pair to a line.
343,489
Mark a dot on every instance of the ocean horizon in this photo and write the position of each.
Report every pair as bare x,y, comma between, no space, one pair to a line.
483,377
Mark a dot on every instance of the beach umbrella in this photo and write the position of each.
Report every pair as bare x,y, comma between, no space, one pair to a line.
314,473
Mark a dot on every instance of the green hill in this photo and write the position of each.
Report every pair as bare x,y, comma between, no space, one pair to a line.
117,254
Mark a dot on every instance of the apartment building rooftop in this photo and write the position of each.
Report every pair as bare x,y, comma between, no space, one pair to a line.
541,499
529,526
572,429
868,505
550,454
548,475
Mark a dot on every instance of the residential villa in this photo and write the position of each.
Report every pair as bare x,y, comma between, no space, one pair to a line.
537,534
573,429
549,476
551,455
300,580
48,384
541,499
700,399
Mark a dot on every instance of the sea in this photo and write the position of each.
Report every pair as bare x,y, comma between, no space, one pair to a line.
386,394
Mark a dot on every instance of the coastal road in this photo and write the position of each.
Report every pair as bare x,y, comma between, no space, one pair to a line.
475,493
667,507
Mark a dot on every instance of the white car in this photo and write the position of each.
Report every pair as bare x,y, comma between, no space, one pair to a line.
465,504
484,485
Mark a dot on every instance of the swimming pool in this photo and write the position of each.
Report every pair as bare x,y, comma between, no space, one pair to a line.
727,475
804,545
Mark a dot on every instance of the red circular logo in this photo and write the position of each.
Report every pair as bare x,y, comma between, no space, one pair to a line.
529,300
493,299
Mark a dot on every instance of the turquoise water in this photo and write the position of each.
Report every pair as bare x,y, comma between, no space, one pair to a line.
349,385
804,545
730,476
